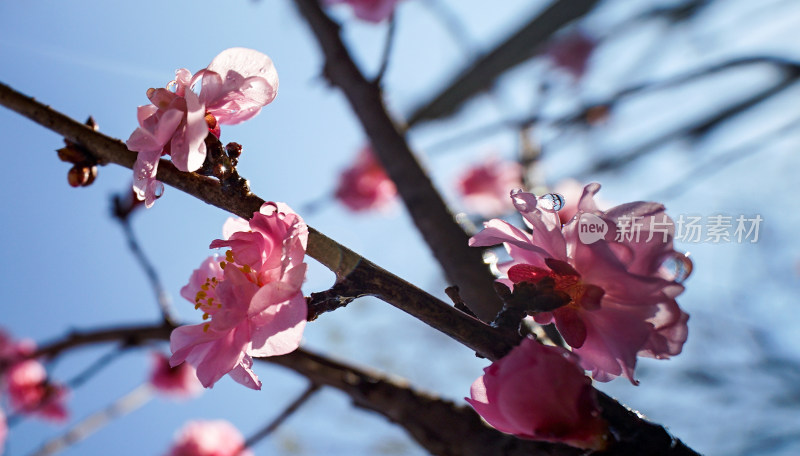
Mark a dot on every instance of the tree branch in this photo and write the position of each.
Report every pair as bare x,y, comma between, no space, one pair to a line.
519,47
462,265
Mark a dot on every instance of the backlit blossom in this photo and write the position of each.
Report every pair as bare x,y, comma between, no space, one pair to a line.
30,392
179,381
208,438
539,392
621,298
232,89
251,299
484,187
365,185
369,10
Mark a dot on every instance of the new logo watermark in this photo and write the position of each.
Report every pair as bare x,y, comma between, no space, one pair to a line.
713,229
591,228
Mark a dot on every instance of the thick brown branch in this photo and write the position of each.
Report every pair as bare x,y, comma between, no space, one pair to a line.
448,242
521,46
439,426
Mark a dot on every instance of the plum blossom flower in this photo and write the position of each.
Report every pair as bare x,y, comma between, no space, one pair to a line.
539,392
571,52
208,438
621,300
232,89
484,187
179,381
30,392
369,10
365,185
252,298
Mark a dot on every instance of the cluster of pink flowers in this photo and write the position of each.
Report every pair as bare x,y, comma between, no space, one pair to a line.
621,305
484,187
232,89
369,10
26,383
251,298
365,185
209,438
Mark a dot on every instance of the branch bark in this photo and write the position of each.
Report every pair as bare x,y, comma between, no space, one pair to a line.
463,265
519,47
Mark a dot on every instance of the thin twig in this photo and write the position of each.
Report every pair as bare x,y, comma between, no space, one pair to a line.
280,419
89,425
162,296
387,50
454,26
98,365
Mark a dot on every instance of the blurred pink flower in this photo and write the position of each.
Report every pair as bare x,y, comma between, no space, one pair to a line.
571,52
30,392
485,186
12,351
252,297
232,89
208,438
622,303
3,431
539,392
369,10
180,381
365,185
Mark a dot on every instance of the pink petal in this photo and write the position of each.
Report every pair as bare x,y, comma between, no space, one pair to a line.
244,375
279,329
188,148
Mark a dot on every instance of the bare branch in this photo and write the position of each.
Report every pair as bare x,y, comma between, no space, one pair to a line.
280,419
519,47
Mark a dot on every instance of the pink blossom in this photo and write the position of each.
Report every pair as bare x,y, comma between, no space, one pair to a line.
12,351
622,303
485,186
369,10
208,438
30,392
365,185
252,298
232,89
539,392
571,52
180,381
